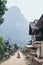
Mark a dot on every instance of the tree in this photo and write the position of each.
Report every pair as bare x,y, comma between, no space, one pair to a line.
1,47
1,38
15,46
2,10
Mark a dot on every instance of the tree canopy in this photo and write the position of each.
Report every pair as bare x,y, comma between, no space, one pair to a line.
16,46
2,10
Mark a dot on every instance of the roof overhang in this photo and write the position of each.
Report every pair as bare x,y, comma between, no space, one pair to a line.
29,46
40,22
36,42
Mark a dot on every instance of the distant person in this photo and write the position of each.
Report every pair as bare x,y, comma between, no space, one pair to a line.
18,54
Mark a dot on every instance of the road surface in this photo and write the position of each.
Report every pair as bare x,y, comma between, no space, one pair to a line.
15,61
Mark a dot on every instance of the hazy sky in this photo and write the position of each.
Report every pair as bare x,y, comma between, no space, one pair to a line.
31,9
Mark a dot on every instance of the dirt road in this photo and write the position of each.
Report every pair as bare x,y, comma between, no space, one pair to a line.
15,61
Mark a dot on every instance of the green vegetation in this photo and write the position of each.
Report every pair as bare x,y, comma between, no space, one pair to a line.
15,47
1,47
2,10
1,38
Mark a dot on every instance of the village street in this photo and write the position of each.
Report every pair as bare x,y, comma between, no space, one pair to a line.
15,61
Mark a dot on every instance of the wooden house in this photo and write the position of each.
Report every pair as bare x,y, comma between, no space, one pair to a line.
36,32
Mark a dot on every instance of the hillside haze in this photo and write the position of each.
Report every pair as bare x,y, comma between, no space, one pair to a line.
15,27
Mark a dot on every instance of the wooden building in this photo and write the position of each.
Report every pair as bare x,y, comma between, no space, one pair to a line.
36,32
